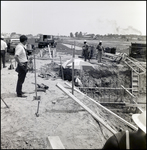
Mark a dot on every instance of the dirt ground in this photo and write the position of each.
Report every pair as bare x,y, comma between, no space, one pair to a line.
59,115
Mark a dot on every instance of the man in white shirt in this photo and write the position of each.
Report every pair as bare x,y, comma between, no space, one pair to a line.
21,59
3,50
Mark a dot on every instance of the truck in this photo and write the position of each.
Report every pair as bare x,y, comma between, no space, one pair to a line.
138,51
46,40
13,42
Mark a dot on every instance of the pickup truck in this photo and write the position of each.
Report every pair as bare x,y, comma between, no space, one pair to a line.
14,42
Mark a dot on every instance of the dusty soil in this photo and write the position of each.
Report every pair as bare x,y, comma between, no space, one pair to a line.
59,115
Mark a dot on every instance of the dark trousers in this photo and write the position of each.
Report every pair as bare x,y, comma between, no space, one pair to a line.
21,78
99,56
3,52
85,55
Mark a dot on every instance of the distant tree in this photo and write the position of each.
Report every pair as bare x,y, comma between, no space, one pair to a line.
29,35
71,34
39,34
123,37
80,34
12,34
92,35
84,33
76,34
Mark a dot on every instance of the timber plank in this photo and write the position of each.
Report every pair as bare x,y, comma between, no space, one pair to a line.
55,142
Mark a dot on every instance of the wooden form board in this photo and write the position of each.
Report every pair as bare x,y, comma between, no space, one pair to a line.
121,119
86,108
133,97
54,142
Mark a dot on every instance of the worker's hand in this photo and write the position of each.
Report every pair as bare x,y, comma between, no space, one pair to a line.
20,64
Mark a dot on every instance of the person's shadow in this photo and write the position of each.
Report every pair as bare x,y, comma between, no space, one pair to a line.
8,95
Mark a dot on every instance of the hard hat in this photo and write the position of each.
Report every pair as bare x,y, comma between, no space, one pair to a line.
85,41
100,42
140,120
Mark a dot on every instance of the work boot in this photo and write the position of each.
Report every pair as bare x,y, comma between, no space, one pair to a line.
22,96
23,92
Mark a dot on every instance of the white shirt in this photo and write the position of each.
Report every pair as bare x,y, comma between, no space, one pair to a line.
21,53
3,45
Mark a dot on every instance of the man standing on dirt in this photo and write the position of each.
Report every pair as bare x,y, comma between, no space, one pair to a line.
21,59
85,50
100,50
132,140
3,51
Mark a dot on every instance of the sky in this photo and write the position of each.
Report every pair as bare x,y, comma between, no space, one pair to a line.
63,17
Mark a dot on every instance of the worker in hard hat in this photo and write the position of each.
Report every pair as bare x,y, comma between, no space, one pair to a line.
85,50
3,51
100,50
130,140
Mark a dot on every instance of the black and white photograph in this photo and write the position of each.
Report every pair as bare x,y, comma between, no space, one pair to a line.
73,74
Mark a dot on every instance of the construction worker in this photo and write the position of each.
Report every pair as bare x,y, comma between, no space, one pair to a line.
90,52
22,68
100,50
3,50
132,140
85,50
77,80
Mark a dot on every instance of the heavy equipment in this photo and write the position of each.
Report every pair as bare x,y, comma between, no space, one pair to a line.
46,40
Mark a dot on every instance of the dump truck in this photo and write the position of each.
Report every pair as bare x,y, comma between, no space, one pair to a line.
46,40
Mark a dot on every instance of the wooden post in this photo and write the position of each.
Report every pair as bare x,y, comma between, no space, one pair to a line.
49,50
73,57
54,142
61,69
35,76
132,96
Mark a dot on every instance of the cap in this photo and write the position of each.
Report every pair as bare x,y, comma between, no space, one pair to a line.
140,120
100,42
85,41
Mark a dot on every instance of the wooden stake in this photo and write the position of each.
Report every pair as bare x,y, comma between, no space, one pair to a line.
54,142
61,68
132,96
35,76
73,57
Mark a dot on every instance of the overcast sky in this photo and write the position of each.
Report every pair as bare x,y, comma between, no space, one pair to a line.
63,17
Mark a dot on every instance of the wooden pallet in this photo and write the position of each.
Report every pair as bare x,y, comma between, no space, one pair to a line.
135,66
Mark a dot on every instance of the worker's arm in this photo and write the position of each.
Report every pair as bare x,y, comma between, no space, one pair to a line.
17,60
6,47
103,50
